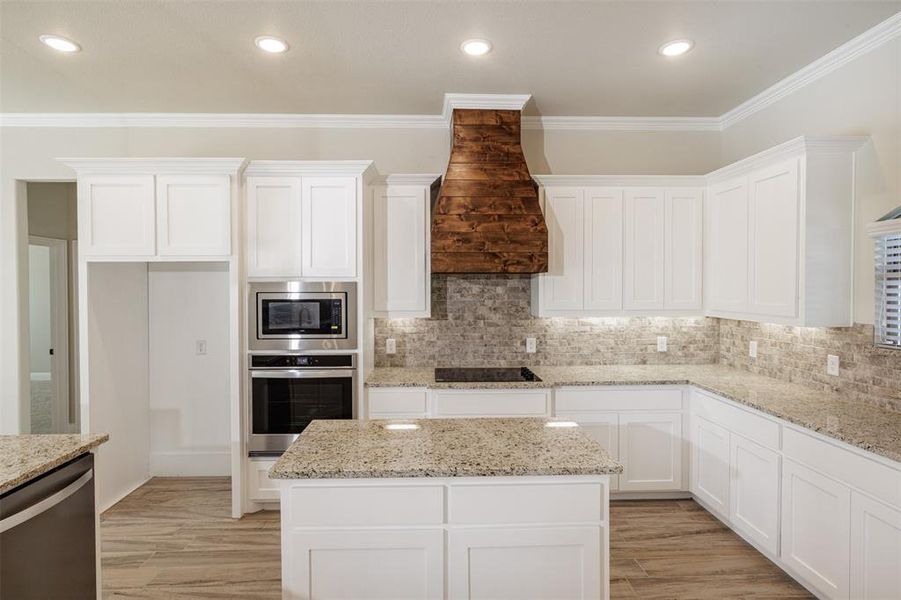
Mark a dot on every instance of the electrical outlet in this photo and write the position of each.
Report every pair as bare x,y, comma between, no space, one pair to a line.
752,349
832,365
661,343
390,346
531,345
200,347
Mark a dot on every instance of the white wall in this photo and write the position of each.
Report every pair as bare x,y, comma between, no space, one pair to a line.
189,393
119,383
39,316
863,97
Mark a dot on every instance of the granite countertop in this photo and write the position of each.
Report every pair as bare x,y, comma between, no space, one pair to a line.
24,457
857,423
441,448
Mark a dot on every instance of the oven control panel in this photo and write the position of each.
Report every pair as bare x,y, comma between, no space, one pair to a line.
302,361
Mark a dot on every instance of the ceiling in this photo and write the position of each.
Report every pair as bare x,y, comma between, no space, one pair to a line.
387,57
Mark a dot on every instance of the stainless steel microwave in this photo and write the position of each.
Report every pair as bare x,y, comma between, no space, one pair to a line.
300,315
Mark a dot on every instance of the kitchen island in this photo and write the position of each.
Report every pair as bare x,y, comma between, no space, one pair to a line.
445,508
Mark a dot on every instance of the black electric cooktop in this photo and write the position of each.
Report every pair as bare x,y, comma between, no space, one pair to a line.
480,374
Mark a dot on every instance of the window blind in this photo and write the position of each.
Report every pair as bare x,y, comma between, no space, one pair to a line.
888,291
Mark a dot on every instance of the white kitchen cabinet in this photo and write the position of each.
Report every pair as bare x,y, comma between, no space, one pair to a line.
726,255
273,226
398,403
547,563
400,249
816,513
683,268
773,206
779,229
491,403
193,215
563,287
603,249
116,215
259,487
650,448
604,429
328,225
875,549
754,492
644,246
710,460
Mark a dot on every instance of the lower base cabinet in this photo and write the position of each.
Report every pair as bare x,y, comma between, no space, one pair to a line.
604,429
650,449
816,525
875,550
710,471
755,492
540,564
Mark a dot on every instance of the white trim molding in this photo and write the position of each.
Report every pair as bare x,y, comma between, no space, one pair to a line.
482,101
408,179
310,167
222,120
871,39
623,123
621,180
155,166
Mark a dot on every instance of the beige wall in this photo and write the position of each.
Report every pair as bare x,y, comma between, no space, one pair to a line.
861,98
52,210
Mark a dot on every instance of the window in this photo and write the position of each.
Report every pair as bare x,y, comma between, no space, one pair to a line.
888,280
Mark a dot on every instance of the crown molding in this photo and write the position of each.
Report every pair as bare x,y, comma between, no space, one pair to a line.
362,168
621,180
220,120
623,123
408,179
482,101
871,39
153,166
793,147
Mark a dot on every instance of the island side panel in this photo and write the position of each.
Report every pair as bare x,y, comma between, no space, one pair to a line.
545,536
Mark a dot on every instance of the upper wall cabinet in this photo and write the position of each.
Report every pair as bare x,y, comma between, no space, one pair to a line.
154,209
401,283
621,246
304,218
779,242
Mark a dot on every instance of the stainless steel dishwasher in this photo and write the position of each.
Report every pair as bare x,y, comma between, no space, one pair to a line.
47,536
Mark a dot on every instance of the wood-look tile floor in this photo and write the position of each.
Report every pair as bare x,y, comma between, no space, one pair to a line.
173,539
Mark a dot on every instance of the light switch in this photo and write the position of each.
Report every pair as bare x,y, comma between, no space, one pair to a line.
752,349
531,345
200,347
390,346
661,343
832,365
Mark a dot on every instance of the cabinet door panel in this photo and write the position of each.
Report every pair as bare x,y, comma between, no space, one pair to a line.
726,254
684,245
329,227
650,448
564,282
401,250
644,249
755,492
710,464
193,215
875,550
774,204
273,226
816,513
116,215
603,249
549,563
604,429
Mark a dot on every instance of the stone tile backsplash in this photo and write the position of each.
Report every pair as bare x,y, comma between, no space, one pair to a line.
798,354
484,320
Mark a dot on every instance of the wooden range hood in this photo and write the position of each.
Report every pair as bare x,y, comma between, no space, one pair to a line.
487,218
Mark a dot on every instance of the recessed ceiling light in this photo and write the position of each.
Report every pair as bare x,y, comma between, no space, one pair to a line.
59,43
561,424
676,47
272,45
401,426
476,47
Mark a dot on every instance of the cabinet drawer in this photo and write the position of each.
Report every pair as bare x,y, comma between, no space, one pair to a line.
366,505
844,465
592,399
388,403
754,427
526,503
492,403
259,487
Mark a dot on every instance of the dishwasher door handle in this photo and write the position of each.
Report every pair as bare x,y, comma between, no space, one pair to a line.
45,504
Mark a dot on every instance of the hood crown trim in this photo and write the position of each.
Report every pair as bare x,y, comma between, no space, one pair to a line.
487,218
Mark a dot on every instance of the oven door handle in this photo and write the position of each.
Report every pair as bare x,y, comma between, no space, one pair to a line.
302,373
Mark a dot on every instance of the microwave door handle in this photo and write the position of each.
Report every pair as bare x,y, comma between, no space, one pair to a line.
302,374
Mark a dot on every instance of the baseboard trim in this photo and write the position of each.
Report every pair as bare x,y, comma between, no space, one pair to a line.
650,496
121,496
190,464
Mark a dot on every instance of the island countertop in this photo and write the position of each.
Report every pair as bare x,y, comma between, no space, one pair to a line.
24,457
331,449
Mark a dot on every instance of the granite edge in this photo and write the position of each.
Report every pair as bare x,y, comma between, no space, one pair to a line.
51,464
